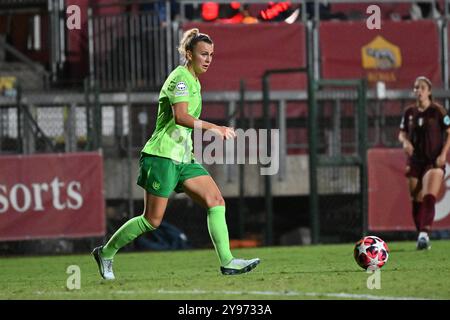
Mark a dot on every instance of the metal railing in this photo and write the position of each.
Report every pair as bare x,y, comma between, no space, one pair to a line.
137,48
21,3
383,121
35,67
132,49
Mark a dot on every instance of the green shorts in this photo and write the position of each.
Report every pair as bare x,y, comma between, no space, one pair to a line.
160,176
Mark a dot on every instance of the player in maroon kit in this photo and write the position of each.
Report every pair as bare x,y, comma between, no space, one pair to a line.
425,135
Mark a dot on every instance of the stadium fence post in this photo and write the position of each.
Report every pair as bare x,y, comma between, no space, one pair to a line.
242,209
362,145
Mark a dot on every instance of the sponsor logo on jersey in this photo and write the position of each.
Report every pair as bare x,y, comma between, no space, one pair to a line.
181,89
447,120
181,86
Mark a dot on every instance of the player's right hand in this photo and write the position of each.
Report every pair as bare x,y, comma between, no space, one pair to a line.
408,148
224,132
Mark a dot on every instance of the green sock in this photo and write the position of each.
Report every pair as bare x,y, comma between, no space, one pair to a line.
218,231
130,230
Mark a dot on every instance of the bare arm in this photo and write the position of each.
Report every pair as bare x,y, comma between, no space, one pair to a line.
407,145
183,118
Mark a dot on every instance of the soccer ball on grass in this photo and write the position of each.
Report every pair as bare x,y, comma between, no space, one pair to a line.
371,253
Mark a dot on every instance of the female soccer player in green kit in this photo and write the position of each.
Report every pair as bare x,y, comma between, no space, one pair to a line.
167,162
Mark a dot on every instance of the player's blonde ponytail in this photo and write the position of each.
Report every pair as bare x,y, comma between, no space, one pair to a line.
189,39
186,39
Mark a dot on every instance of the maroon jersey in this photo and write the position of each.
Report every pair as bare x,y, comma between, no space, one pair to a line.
426,130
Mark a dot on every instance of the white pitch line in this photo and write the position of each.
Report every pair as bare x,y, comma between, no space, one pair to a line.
292,293
281,294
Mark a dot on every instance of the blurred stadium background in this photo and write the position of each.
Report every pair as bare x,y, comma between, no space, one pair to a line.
312,69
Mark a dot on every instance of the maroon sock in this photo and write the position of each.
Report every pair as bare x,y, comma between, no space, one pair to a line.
416,213
427,212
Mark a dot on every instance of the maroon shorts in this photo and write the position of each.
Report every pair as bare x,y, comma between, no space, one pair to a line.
418,170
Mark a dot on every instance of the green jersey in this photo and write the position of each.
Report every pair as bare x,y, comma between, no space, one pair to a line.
170,140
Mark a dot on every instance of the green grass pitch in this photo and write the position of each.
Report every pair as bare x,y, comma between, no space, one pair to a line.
285,273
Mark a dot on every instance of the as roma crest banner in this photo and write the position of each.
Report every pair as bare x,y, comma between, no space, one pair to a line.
393,54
